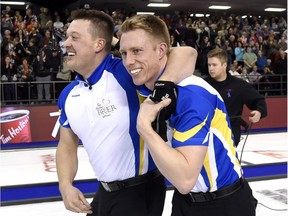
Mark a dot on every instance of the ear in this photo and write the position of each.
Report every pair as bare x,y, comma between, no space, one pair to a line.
162,49
99,45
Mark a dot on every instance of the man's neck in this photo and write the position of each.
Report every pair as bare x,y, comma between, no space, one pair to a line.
222,77
159,75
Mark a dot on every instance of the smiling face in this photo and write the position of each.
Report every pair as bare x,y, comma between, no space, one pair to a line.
143,56
85,52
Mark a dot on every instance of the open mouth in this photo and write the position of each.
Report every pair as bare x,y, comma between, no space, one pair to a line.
135,71
71,53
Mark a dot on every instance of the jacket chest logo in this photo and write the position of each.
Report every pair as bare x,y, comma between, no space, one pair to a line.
105,108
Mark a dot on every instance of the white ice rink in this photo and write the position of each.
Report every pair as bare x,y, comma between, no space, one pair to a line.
32,166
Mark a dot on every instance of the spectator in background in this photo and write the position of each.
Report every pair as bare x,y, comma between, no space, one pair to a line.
18,22
244,38
64,76
25,75
46,40
9,74
233,71
30,19
7,43
213,34
244,75
43,17
226,46
19,50
35,35
266,82
237,67
53,62
235,92
22,35
6,23
173,42
261,61
204,48
239,52
190,36
282,24
249,59
254,77
282,44
280,69
43,75
58,24
31,51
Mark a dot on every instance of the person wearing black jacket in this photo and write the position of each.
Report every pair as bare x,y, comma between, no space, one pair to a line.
235,93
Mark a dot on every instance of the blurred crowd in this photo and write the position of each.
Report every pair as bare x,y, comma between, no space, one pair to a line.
31,48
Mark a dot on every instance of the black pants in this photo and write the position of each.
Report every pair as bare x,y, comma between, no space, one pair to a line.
240,203
142,200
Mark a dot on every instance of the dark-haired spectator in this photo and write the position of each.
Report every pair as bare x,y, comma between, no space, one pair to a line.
271,46
53,61
213,34
280,69
226,46
173,41
35,35
23,36
261,61
264,32
204,48
239,52
25,75
19,50
190,36
253,36
46,40
43,76
6,23
8,10
266,82
262,45
203,32
30,19
31,51
180,30
9,74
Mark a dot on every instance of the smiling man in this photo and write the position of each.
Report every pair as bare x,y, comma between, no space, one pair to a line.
201,160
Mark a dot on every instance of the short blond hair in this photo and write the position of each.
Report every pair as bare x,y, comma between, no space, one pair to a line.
218,53
149,23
